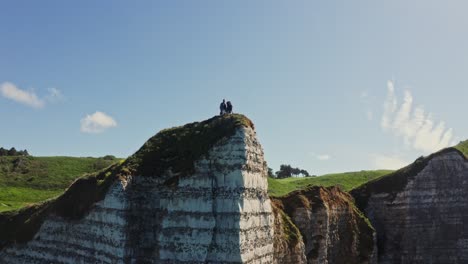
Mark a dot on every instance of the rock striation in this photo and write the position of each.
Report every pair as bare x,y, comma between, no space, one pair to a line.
332,229
194,194
419,212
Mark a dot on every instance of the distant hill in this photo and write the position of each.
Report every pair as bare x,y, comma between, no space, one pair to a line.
346,180
27,179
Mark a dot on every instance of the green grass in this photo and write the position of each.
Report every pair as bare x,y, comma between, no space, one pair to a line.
16,197
463,147
26,180
347,181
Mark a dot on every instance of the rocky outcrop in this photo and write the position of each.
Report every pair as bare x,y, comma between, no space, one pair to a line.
420,212
169,203
288,244
332,229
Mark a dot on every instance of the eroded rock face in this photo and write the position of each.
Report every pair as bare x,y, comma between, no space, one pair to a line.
288,244
332,229
420,212
220,214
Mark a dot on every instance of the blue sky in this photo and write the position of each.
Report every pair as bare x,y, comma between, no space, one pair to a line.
331,85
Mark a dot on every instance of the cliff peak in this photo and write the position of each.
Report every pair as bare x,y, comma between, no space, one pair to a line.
177,148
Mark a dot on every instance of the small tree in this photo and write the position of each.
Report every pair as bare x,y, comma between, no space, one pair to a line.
3,152
288,171
109,157
270,173
12,152
285,171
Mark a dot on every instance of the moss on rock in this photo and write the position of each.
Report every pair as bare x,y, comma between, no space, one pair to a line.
178,148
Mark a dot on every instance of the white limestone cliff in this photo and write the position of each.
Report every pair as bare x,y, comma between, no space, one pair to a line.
219,214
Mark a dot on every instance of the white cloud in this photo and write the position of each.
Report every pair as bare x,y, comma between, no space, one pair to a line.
388,162
370,115
55,95
416,128
390,106
29,98
323,157
97,123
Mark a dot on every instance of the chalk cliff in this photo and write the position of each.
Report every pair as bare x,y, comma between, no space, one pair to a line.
192,194
420,212
332,229
198,194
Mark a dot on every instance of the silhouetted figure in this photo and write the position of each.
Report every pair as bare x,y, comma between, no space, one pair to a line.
229,107
222,108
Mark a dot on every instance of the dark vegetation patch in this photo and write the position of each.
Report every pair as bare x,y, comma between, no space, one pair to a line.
177,149
174,149
395,182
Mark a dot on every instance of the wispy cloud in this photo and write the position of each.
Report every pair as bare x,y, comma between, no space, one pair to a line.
323,157
29,98
97,123
416,127
55,95
390,162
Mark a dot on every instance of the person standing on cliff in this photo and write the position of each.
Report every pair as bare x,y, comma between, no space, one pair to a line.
222,107
229,107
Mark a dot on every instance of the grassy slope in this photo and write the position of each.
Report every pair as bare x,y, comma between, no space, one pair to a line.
463,147
347,181
25,180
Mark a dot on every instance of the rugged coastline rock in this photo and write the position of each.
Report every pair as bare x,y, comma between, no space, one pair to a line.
193,194
332,229
420,212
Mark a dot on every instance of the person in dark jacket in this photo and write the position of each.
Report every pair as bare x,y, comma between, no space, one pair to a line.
222,108
229,107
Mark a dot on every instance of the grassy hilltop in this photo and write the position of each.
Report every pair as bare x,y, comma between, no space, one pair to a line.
346,180
27,179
